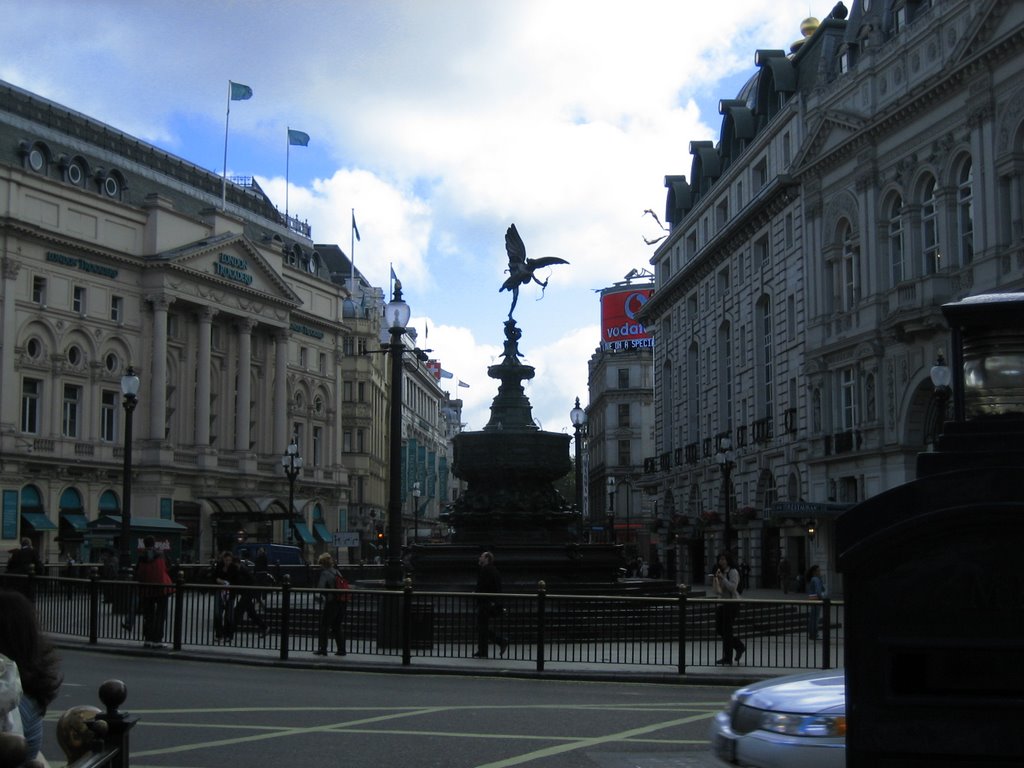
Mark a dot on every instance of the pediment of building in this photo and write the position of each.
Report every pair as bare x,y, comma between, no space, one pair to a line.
833,132
221,267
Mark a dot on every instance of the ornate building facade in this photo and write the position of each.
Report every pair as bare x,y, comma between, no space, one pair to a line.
861,180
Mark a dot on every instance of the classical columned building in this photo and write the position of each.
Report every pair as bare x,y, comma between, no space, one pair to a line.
117,255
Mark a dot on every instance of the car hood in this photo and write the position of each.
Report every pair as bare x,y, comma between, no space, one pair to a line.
809,693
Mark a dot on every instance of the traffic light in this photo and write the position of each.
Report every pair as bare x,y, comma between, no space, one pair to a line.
380,533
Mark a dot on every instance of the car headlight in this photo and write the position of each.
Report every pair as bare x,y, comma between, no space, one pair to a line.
804,725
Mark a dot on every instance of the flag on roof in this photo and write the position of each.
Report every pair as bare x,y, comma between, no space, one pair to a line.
240,92
355,231
463,384
299,139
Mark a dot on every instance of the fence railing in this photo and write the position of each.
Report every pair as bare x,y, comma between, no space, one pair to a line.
541,628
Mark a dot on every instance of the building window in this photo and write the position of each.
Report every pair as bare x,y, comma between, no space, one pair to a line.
361,391
896,251
303,356
360,441
762,253
31,394
108,415
760,172
623,378
39,290
70,413
78,299
34,349
847,399
965,213
623,414
117,309
849,270
323,362
346,391
625,454
929,228
725,376
346,441
347,346
318,434
766,357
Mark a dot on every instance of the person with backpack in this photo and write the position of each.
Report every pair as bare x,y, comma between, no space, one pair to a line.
155,587
247,600
334,591
726,583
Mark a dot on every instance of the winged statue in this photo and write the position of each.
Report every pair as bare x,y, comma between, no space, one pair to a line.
521,269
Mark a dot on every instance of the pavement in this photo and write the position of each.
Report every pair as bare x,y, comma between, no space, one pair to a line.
733,676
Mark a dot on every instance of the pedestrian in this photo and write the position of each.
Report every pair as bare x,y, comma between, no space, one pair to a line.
247,600
334,591
155,587
24,561
726,582
22,642
654,570
225,574
784,575
488,581
815,592
261,560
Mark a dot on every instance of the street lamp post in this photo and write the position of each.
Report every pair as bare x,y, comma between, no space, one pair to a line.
578,417
291,461
130,390
611,509
396,318
726,463
416,512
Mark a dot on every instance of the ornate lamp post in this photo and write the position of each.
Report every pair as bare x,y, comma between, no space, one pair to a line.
940,376
578,417
396,318
130,390
611,509
726,460
416,511
291,461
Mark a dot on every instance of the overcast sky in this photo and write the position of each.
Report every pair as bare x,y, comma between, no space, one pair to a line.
440,122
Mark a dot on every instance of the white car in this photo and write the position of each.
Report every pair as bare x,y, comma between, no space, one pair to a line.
798,721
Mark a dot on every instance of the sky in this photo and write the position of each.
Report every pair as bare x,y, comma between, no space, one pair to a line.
439,123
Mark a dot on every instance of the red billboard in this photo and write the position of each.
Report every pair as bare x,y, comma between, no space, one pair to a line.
619,327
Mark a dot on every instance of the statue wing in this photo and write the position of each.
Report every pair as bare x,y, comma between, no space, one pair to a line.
546,261
515,249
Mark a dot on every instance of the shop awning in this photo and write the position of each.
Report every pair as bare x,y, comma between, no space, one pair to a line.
303,531
248,507
154,524
815,509
320,529
38,520
75,520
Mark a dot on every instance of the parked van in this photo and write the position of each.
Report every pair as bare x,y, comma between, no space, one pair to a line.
281,559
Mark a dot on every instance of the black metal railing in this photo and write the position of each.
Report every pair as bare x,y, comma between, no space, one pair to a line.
540,628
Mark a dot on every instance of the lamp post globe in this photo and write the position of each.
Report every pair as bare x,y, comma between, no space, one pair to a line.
291,462
396,318
726,460
578,417
611,509
130,390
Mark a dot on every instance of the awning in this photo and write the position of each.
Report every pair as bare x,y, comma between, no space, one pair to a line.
303,531
76,521
38,520
248,507
807,509
154,524
320,529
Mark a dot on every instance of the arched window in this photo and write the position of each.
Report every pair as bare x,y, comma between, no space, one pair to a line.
965,213
724,378
929,227
848,270
897,251
765,358
693,392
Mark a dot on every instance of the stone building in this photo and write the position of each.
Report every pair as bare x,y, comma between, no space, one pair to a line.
860,180
244,333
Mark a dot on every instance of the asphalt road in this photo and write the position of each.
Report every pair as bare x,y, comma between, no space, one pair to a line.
196,714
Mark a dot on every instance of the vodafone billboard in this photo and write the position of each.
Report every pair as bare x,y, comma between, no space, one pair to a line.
619,327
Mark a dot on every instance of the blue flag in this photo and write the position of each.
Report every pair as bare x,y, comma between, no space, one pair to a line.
298,138
240,92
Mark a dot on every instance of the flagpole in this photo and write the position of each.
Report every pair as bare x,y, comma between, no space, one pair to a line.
224,170
287,159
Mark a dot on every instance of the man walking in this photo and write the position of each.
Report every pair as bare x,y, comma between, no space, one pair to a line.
488,581
154,589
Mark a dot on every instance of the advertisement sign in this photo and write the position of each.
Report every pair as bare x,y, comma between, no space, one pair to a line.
619,327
